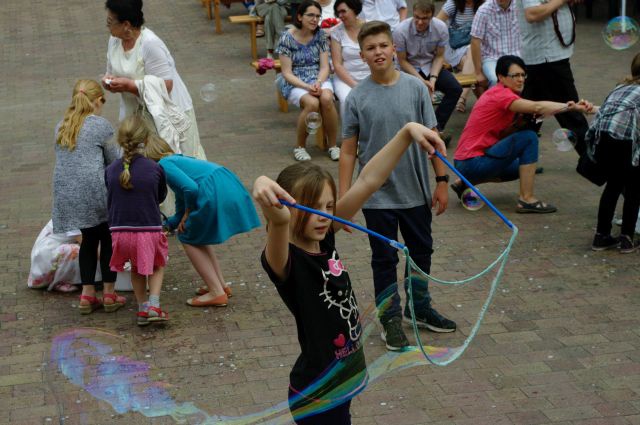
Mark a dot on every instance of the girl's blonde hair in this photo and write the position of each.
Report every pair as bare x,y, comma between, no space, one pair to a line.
133,135
305,182
635,71
85,93
156,148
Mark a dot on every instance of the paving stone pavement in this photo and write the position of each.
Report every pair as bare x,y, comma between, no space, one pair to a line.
559,345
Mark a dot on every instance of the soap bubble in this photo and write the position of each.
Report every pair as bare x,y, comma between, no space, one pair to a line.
208,92
621,32
470,200
564,139
313,122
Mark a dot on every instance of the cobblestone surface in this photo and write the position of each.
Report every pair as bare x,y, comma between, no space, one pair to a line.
560,344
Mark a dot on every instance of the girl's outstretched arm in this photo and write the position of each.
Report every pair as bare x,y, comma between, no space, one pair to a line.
378,169
267,193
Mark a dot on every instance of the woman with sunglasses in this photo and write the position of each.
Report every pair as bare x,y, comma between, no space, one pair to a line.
304,81
79,192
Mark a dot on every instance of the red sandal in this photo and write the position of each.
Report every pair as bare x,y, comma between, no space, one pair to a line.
94,304
118,301
157,315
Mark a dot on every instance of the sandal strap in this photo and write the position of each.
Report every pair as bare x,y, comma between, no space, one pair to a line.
92,300
115,297
159,312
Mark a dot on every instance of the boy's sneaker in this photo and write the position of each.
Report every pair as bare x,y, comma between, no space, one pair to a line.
393,335
627,245
334,153
602,242
432,320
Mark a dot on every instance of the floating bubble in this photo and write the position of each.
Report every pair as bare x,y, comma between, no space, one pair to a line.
621,33
208,92
313,122
564,139
470,200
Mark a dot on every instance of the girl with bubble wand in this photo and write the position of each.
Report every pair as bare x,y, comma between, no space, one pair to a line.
212,205
301,260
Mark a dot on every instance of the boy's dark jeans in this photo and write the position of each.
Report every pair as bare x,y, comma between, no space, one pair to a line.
415,227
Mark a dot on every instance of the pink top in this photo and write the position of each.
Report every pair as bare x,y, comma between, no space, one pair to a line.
489,116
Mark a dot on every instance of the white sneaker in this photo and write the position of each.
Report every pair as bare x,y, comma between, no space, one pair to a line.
334,153
301,154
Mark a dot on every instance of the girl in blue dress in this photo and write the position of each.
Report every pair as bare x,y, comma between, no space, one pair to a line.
212,205
304,81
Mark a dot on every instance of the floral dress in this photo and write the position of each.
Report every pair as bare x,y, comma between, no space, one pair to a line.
305,59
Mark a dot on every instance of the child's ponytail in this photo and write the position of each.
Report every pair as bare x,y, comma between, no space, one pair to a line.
132,138
85,93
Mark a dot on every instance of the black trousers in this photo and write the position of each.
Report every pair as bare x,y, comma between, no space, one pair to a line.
615,157
93,237
554,81
339,415
447,84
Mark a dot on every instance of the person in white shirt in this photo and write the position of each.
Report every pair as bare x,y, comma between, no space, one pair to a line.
390,11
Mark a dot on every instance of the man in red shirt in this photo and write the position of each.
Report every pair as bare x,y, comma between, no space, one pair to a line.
492,148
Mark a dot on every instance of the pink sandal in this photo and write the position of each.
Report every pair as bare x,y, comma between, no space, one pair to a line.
94,304
118,301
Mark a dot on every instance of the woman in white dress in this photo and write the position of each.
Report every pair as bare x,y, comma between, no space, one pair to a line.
460,13
134,51
349,67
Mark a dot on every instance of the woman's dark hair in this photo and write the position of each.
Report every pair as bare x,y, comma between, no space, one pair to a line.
462,4
355,5
302,9
127,10
635,71
505,62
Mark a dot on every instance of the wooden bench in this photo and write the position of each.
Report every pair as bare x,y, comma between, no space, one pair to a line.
253,22
283,105
216,11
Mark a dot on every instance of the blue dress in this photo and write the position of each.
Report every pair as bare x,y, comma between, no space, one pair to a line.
219,205
305,58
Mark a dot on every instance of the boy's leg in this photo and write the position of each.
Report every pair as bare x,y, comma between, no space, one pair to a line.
415,226
447,84
489,71
384,261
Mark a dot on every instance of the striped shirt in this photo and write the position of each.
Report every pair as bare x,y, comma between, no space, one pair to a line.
540,43
498,29
619,117
457,18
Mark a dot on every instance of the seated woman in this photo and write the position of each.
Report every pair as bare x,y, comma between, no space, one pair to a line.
459,14
304,81
613,142
349,67
485,152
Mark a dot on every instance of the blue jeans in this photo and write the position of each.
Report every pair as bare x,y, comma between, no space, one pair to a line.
415,226
501,162
489,71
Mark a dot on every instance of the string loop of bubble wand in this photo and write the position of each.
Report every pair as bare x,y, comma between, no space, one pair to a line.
453,354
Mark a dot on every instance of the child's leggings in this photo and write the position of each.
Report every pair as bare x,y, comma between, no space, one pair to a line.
88,256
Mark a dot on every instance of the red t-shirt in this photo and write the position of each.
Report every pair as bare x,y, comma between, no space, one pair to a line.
489,116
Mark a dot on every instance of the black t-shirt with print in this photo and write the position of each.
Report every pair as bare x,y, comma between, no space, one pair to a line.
318,292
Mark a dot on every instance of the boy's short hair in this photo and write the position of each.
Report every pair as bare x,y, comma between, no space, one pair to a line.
374,28
424,6
505,62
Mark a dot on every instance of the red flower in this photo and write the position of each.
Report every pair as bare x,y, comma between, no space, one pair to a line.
329,22
264,64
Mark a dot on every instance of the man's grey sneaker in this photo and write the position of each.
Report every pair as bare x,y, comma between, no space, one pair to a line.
602,242
627,245
393,334
432,320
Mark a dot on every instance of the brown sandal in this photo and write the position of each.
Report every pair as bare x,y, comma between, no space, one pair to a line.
461,106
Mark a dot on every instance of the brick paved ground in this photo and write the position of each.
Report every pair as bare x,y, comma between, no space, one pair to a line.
560,344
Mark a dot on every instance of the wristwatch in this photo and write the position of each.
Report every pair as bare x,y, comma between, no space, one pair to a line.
440,179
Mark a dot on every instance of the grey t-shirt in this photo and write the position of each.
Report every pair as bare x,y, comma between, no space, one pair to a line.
375,113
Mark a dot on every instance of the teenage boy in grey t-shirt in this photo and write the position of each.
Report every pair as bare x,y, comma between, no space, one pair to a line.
375,110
